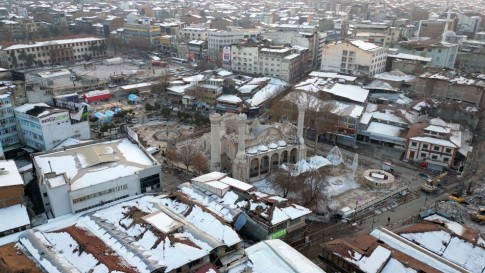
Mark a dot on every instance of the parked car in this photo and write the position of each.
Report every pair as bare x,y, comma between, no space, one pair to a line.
423,175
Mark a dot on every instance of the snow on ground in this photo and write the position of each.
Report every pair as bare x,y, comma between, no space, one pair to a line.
302,166
340,184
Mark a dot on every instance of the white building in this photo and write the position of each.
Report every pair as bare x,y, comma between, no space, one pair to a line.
51,52
194,33
435,145
443,53
217,40
43,127
9,139
85,176
259,59
354,57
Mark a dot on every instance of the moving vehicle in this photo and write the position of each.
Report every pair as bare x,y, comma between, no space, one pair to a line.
430,185
178,60
159,63
345,212
386,166
152,150
478,215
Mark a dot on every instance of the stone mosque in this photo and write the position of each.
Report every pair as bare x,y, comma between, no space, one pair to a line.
251,150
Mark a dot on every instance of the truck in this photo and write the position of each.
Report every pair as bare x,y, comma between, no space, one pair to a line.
345,212
159,63
430,186
478,215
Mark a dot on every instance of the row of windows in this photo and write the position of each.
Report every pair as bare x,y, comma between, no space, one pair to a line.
6,121
97,205
40,48
8,130
5,101
9,140
6,111
434,157
29,124
96,194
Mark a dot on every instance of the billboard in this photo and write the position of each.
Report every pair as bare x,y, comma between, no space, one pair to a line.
226,54
55,118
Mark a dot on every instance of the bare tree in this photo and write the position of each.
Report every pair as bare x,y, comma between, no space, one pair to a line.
187,153
199,161
284,180
161,86
171,155
312,186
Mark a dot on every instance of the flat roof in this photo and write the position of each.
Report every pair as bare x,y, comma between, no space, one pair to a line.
163,222
53,42
94,163
9,174
17,217
351,92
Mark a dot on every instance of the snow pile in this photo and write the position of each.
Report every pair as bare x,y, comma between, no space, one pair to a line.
303,166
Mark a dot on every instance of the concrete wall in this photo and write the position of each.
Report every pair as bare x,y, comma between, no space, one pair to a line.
60,203
133,188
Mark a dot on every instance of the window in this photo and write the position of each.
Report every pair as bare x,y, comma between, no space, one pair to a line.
436,148
425,146
448,150
414,144
446,159
434,157
423,155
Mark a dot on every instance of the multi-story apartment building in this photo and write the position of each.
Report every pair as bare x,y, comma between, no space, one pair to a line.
217,40
354,57
42,127
9,139
188,34
443,53
263,59
143,30
52,52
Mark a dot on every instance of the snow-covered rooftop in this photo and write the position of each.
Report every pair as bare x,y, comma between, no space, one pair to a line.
140,235
13,217
53,42
277,256
351,92
95,163
9,174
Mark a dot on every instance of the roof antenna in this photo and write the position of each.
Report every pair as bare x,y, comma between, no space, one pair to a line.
50,166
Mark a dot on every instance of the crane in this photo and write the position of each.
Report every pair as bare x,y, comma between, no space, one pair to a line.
431,184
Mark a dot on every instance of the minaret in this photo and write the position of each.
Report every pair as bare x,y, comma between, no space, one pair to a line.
448,18
241,127
215,120
299,132
240,167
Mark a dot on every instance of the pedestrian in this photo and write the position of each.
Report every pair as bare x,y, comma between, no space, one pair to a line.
388,220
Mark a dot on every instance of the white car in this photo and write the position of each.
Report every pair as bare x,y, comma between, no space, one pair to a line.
112,85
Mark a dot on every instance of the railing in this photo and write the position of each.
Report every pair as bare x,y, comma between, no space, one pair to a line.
381,198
